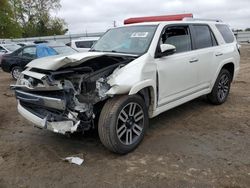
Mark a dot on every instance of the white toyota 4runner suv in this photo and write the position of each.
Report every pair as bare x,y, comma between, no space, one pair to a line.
133,73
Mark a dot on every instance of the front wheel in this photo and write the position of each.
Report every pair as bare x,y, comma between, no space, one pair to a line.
122,123
221,88
15,72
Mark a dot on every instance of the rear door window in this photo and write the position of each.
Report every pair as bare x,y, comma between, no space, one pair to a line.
203,37
226,33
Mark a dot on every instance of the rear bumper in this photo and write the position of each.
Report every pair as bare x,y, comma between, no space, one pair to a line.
61,127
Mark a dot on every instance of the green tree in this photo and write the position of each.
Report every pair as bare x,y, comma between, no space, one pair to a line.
57,27
247,29
9,28
35,17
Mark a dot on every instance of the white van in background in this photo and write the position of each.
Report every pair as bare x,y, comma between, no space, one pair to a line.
83,44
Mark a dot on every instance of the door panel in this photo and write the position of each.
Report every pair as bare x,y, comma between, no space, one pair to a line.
206,65
207,51
27,55
177,75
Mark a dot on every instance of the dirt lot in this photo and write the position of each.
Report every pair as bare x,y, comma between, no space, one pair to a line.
194,145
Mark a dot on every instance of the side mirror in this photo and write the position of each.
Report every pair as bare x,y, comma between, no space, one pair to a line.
167,49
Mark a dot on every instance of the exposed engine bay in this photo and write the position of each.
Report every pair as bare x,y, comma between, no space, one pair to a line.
68,99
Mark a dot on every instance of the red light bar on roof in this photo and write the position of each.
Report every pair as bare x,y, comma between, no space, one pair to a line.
176,17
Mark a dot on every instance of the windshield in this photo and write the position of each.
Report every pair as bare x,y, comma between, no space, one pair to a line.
64,49
12,47
131,40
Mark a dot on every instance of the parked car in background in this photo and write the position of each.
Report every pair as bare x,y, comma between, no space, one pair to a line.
83,44
6,49
15,62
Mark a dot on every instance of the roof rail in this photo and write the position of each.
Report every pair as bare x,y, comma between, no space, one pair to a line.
201,19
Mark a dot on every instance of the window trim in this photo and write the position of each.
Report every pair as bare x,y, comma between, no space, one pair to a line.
174,25
211,33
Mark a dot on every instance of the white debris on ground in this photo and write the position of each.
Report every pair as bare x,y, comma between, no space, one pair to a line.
74,160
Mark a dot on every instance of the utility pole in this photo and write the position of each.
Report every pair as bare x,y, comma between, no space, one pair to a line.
114,23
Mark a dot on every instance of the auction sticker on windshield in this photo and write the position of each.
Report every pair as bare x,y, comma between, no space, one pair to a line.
139,35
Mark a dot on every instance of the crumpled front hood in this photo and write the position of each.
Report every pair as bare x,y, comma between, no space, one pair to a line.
59,61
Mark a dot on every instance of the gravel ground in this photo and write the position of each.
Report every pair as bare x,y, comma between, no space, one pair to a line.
193,145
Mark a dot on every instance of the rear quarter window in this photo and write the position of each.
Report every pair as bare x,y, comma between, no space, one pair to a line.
226,33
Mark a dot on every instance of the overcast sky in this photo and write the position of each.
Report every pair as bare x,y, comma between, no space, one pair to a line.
98,15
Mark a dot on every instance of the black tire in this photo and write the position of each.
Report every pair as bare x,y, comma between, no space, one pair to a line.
221,88
15,72
111,124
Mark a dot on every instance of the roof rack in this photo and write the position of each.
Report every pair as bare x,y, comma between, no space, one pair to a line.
201,19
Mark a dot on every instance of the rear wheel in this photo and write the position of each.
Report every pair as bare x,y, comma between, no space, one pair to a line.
15,72
221,88
122,123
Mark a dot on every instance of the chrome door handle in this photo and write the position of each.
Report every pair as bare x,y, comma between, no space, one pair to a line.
194,60
218,54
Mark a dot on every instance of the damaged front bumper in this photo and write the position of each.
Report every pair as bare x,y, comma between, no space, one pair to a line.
61,127
67,100
50,102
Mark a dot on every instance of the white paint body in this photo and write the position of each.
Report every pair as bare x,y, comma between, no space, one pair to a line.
173,79
179,81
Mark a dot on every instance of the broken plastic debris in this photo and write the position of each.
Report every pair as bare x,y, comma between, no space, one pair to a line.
74,160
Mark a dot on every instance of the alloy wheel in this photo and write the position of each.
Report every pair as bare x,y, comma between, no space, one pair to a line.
130,123
223,87
16,73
